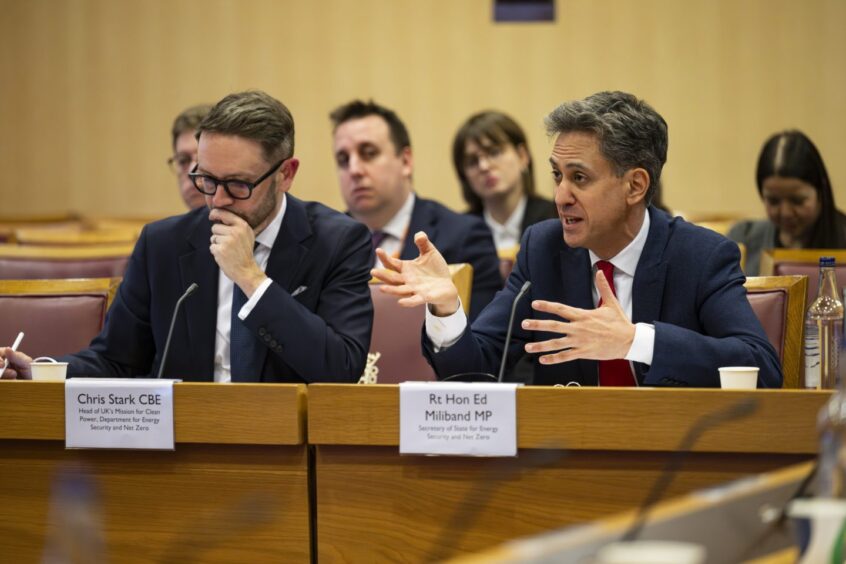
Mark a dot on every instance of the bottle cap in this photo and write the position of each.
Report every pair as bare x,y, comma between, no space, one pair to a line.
826,262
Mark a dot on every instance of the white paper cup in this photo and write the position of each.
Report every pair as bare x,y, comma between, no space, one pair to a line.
651,552
46,369
817,525
739,377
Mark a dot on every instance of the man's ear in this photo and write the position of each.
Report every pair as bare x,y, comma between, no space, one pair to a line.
637,185
407,158
285,175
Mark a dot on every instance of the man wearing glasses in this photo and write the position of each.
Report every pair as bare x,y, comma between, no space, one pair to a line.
283,284
184,142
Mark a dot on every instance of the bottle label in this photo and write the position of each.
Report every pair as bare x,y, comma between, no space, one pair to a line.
812,356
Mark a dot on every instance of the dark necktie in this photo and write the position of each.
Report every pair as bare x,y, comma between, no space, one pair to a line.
616,372
244,347
376,238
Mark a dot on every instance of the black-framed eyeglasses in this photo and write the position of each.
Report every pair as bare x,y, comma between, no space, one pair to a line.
237,189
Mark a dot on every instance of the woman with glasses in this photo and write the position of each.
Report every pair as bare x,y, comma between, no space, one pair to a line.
491,158
794,186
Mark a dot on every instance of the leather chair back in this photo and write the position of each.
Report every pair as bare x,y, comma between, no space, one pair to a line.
57,316
37,262
779,304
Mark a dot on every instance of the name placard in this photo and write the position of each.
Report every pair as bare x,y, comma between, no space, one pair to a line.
472,419
119,413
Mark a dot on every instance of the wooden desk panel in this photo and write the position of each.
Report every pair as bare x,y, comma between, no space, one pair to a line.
374,505
234,490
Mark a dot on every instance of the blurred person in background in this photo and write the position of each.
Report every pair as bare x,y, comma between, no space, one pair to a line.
794,186
491,157
184,143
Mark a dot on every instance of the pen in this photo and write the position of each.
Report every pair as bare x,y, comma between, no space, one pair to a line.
15,346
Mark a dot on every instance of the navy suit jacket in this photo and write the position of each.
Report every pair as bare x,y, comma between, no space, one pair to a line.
459,238
320,334
688,284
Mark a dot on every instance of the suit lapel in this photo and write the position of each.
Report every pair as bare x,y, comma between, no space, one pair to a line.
421,220
651,274
577,291
199,266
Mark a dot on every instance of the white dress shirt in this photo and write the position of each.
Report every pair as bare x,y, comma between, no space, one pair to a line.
396,230
507,235
445,331
225,288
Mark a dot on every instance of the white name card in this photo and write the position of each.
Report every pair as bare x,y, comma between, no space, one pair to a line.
475,419
119,413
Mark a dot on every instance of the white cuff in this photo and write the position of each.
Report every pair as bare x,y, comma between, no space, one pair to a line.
643,344
445,331
254,299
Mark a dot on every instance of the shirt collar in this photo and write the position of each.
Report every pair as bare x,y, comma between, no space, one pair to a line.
627,259
398,224
268,236
512,224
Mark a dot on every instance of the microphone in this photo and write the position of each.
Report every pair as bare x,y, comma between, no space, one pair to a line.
526,285
191,289
706,422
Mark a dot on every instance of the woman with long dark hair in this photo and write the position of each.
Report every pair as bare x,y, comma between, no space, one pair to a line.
491,158
794,186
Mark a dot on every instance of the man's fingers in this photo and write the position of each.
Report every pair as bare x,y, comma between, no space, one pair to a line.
547,346
555,308
559,357
388,261
548,325
402,290
605,294
387,276
411,301
423,243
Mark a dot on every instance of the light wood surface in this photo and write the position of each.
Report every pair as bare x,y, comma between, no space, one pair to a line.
60,252
771,257
374,505
77,235
62,286
792,363
234,490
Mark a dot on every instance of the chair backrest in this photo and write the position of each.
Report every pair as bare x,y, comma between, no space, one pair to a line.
779,303
507,260
803,262
77,235
18,262
8,224
57,316
397,332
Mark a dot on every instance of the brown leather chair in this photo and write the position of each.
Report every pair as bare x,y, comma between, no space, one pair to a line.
397,332
779,303
18,262
77,235
803,262
507,260
57,316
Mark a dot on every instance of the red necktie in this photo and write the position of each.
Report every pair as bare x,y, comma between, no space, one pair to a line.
616,372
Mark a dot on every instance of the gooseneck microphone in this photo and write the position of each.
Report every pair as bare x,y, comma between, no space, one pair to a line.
706,422
191,289
526,285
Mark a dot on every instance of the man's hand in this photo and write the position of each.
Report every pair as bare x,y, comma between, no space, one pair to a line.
232,244
18,364
424,280
604,333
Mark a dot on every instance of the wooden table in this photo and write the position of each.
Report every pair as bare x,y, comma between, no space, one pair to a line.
585,453
235,489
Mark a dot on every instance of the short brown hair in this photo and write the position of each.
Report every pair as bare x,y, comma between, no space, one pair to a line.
188,120
254,115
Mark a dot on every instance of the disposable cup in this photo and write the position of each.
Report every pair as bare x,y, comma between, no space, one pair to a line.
46,369
739,377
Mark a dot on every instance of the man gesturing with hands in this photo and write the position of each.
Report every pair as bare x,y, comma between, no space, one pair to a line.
622,294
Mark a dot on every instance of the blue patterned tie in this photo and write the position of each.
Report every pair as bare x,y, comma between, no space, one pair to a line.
244,347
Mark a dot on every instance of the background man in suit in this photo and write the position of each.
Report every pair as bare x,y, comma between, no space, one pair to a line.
184,141
375,168
622,294
283,284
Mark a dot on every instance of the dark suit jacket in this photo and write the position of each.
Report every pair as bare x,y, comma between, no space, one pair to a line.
688,284
321,334
459,238
537,210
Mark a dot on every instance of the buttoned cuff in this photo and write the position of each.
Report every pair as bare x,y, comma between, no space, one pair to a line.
445,331
643,344
254,299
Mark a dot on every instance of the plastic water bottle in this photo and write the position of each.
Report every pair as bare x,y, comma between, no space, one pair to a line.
823,331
